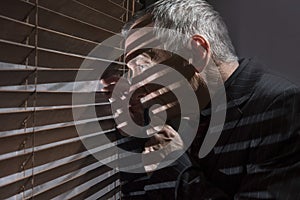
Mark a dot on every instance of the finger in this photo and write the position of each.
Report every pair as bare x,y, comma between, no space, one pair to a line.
109,80
108,88
137,95
136,107
136,118
123,133
159,139
119,90
169,131
157,97
151,142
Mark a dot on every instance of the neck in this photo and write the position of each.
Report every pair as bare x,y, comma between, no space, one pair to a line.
227,69
218,73
213,76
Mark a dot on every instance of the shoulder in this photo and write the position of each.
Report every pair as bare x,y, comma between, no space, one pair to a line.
266,88
272,84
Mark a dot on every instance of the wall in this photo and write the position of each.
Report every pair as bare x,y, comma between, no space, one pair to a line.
268,29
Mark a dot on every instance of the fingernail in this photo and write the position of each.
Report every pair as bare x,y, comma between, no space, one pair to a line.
111,100
121,125
123,97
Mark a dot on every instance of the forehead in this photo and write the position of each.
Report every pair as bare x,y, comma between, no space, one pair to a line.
140,35
142,22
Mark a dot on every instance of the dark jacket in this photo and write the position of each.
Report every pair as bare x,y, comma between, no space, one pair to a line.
258,153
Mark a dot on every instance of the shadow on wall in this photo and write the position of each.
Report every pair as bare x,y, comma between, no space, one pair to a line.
267,29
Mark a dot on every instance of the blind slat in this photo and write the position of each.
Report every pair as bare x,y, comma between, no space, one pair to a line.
137,5
79,11
14,30
40,178
71,25
50,39
110,193
24,118
108,7
17,53
14,53
23,162
50,174
43,44
49,19
75,182
69,44
15,9
18,142
96,188
14,99
15,77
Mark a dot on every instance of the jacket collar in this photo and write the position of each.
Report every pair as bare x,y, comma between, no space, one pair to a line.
239,88
240,85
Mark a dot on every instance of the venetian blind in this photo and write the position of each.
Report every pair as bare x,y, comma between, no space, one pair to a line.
42,45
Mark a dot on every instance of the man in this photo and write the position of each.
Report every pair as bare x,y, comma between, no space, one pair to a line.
257,153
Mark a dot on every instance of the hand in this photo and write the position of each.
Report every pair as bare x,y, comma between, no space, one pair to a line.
117,90
109,84
166,141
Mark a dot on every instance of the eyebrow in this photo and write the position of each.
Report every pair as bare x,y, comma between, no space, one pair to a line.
136,53
144,21
146,36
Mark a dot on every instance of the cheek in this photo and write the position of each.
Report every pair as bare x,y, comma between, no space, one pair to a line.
136,71
138,66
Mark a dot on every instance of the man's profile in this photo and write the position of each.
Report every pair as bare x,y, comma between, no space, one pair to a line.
257,153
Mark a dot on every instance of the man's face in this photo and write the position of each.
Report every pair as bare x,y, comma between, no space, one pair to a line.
141,56
144,50
144,53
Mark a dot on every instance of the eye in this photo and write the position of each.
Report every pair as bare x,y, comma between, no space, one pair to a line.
142,67
148,55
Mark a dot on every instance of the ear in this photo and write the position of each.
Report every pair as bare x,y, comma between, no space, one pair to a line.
201,45
200,51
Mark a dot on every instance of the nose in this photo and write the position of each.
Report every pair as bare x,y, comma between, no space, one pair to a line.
137,66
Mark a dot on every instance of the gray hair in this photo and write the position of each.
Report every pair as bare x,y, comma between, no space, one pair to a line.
190,17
